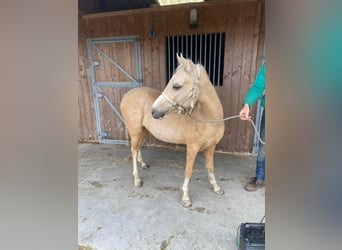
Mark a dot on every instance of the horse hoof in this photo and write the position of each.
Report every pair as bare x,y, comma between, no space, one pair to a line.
186,203
138,183
220,192
145,166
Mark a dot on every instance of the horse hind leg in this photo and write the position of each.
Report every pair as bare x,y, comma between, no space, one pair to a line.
135,147
209,162
143,135
137,137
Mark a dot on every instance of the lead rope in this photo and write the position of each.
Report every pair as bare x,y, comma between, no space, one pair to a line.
226,119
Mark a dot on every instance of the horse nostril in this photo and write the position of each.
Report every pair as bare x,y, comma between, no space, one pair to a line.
154,114
157,115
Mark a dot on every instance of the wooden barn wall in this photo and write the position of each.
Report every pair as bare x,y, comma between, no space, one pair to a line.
87,131
243,24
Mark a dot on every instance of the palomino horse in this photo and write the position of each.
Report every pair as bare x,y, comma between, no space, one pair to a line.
169,116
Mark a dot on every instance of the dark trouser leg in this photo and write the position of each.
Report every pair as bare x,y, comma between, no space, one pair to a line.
260,164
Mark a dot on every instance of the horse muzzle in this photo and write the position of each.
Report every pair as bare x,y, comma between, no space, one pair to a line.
157,114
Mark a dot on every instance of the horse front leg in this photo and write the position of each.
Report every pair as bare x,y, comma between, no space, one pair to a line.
209,163
191,154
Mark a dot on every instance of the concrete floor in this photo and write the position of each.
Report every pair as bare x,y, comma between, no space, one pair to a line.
113,214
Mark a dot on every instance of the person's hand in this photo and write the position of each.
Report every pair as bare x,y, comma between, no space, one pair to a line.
244,112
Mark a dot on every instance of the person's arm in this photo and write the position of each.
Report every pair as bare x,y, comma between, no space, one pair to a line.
257,88
253,94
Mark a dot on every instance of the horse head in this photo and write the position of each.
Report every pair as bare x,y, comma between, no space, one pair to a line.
181,92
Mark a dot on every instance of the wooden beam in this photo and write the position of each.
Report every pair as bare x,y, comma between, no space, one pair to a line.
163,8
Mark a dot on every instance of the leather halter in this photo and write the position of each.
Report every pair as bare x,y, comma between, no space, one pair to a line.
193,95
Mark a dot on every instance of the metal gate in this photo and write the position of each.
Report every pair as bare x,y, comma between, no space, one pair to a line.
115,67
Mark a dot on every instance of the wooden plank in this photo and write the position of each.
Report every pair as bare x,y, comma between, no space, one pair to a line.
245,134
86,105
147,55
82,104
155,63
225,91
121,58
113,26
255,64
161,27
236,75
147,48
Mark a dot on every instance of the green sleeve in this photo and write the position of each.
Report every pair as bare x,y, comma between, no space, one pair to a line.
257,88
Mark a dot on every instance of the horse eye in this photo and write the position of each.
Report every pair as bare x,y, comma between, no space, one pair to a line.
176,86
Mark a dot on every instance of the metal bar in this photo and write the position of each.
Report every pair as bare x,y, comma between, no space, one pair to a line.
118,84
181,38
205,51
219,61
113,62
177,44
186,47
191,48
113,39
200,56
209,68
167,58
214,76
114,141
102,134
196,47
173,54
114,109
95,97
138,62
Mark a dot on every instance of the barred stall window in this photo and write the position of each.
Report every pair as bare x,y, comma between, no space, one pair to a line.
206,49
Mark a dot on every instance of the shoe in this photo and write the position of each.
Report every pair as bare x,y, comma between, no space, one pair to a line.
254,184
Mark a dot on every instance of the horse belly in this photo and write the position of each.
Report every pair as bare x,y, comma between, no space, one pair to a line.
180,129
166,129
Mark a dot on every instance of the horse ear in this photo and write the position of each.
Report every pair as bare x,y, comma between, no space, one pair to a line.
180,58
188,65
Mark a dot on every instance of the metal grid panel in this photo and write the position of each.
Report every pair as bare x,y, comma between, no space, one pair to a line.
206,49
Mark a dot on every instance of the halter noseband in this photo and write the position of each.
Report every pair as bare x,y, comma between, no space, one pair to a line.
193,94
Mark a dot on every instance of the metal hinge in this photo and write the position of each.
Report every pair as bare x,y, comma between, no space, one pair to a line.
103,134
95,63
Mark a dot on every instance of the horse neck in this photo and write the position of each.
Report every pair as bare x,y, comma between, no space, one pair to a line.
208,105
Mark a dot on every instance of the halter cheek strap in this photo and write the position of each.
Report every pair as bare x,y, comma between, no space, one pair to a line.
178,106
194,96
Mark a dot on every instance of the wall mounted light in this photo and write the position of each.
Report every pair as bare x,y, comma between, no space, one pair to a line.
193,18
